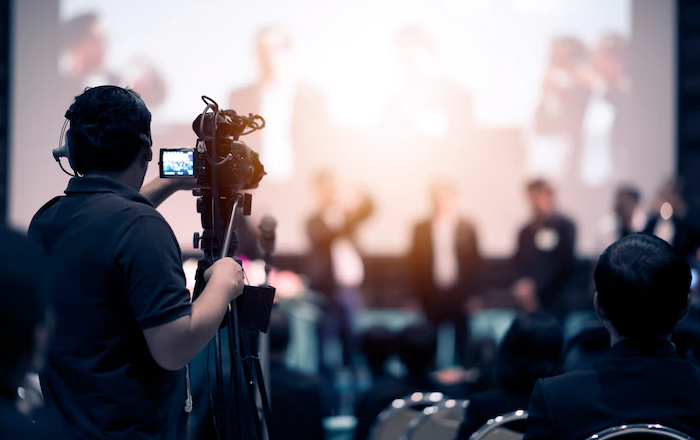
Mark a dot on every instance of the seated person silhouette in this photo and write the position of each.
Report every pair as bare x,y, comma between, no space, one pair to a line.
530,350
298,401
642,293
416,350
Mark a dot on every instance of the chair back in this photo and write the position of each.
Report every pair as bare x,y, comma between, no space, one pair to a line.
392,422
647,431
501,427
438,422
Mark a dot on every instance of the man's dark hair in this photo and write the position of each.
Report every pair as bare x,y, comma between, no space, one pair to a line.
530,350
416,348
24,300
536,185
109,126
377,346
643,285
630,191
76,29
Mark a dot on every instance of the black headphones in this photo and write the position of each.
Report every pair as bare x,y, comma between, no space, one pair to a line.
66,146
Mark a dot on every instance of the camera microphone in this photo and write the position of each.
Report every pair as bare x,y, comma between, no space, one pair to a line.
267,233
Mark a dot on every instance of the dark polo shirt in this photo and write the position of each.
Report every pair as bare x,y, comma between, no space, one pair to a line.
116,270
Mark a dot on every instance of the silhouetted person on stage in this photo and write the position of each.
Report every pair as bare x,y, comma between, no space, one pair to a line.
334,265
668,218
444,263
627,217
642,293
545,257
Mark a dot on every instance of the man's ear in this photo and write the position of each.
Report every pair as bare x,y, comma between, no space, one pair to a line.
686,310
599,312
149,154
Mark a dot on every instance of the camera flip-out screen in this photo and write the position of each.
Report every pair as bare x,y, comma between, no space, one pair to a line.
177,162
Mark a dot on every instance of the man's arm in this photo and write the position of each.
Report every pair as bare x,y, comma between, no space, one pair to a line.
159,189
174,344
148,258
540,421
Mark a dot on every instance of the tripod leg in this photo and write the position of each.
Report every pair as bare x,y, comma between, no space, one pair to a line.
219,410
236,376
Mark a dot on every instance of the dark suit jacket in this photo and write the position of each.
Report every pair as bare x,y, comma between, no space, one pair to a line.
319,267
489,404
298,404
421,261
551,269
639,381
686,238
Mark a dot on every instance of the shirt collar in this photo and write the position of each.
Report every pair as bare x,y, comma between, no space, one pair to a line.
102,184
643,347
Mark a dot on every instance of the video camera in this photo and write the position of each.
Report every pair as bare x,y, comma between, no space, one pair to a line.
223,167
218,151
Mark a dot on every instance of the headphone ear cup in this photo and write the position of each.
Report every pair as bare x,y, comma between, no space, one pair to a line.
70,154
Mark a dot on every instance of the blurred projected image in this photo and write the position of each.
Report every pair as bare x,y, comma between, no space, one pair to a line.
583,111
390,94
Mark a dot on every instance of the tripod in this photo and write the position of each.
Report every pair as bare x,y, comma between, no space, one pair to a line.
242,332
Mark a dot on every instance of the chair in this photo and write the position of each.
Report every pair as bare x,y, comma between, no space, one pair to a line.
393,421
501,427
438,422
650,431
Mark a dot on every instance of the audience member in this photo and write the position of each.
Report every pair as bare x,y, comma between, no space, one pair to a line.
24,329
445,261
377,346
642,293
297,399
416,346
530,350
627,217
545,257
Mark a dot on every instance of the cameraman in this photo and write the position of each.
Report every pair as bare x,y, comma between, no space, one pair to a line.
125,325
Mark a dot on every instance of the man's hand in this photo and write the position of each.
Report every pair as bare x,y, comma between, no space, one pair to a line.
524,292
228,273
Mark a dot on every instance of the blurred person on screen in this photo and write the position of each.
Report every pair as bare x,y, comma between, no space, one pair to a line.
429,104
563,102
627,217
606,122
334,265
83,62
444,263
544,259
295,113
668,218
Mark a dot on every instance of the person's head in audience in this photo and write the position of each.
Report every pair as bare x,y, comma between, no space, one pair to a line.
642,288
445,200
530,350
377,345
23,315
417,344
278,332
627,200
540,195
